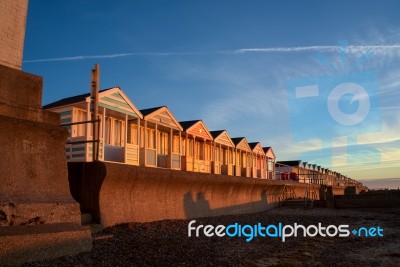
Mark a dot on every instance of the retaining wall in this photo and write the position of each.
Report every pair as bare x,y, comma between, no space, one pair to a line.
117,193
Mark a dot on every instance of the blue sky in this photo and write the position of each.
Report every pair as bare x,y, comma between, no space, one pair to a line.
236,65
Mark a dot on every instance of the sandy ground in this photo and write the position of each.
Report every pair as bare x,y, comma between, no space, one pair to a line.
166,243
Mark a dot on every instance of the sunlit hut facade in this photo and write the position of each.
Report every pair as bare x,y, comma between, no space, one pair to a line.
223,153
317,176
115,110
197,143
160,138
258,160
270,159
306,172
243,154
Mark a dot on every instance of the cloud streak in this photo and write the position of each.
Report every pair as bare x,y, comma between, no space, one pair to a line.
374,49
393,50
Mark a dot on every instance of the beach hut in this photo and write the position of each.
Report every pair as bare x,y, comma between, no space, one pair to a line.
197,143
243,156
287,169
223,153
305,172
114,111
160,144
321,175
270,160
258,160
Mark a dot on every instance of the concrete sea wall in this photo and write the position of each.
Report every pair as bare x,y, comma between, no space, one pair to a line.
117,193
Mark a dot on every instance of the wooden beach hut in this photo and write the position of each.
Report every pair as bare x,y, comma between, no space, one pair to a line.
258,160
160,144
243,156
197,143
223,153
114,111
290,169
305,172
270,160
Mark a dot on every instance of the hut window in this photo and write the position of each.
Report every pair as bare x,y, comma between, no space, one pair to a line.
258,162
190,148
151,138
163,143
199,150
207,152
141,136
132,134
270,164
184,147
117,133
114,132
225,156
80,129
230,156
237,155
217,154
175,147
108,131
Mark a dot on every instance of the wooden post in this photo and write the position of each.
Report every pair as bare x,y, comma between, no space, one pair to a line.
88,116
145,143
186,145
126,138
170,147
194,150
104,132
95,108
156,136
138,140
180,150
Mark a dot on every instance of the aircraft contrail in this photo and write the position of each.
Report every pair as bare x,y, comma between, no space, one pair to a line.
372,49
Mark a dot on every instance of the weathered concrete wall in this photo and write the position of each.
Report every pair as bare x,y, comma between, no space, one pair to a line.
117,193
33,166
12,32
39,218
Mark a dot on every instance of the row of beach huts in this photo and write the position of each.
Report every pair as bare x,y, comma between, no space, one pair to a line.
155,138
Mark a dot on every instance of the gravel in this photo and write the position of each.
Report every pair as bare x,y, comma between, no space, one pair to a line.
166,243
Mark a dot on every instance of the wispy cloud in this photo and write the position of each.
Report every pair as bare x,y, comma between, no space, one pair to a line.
393,50
374,49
